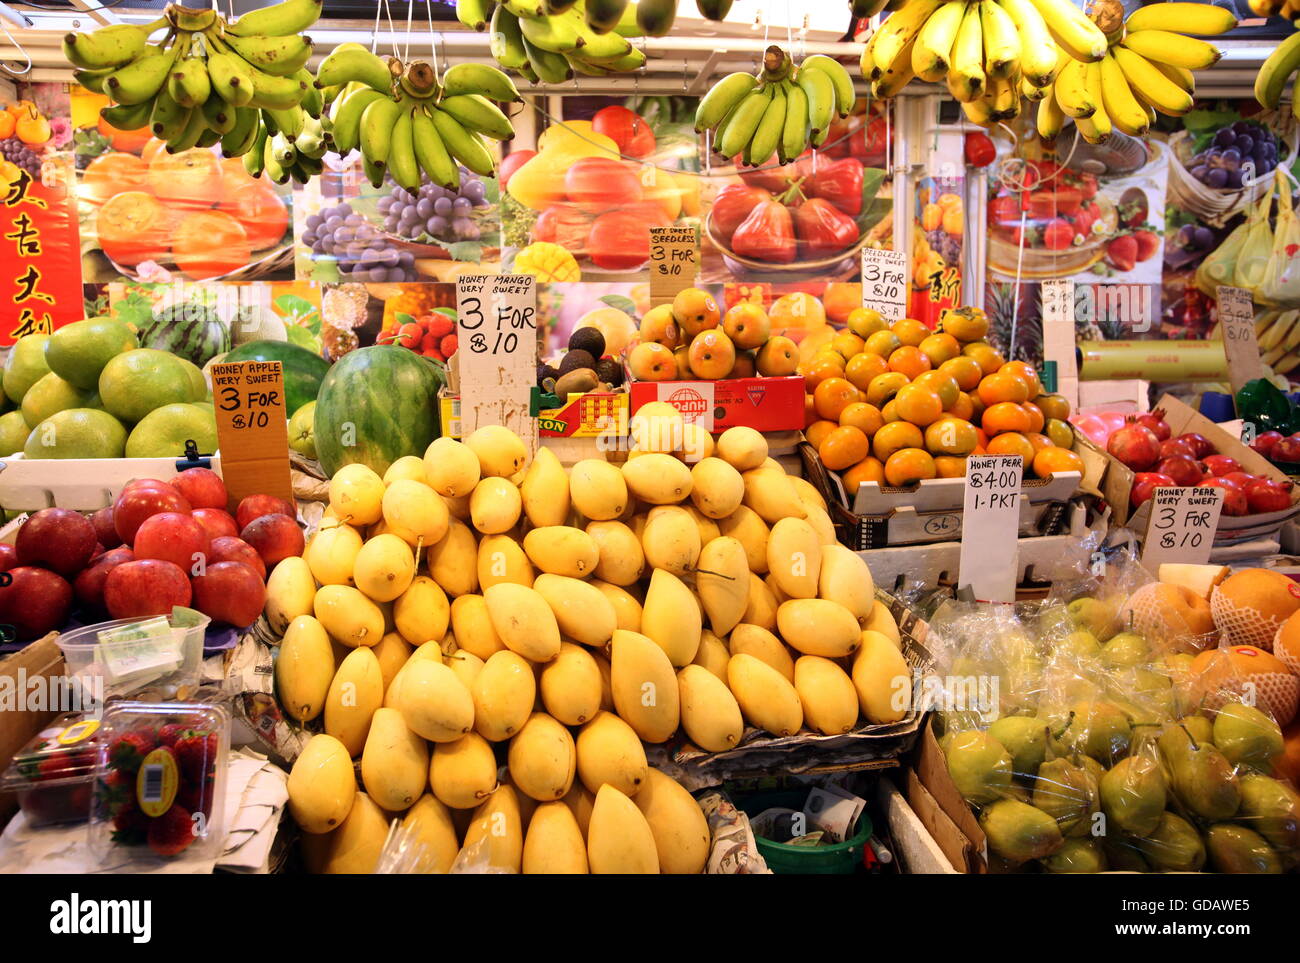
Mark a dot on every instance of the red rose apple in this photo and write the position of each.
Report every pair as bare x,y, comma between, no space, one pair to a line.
215,522
57,539
172,537
230,549
255,506
89,585
147,586
105,532
35,601
202,488
274,537
136,504
229,592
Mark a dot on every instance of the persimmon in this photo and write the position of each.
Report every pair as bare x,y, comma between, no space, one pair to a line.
821,368
816,432
32,127
1039,441
864,322
832,396
1053,406
895,436
208,244
1005,416
1060,431
863,416
889,412
843,447
1026,373
190,179
943,385
963,407
883,343
909,360
985,355
995,388
111,174
864,366
1012,443
908,465
918,404
910,331
133,227
884,386
261,212
870,469
950,466
7,122
964,370
841,299
940,348
951,436
847,344
1036,420
1051,460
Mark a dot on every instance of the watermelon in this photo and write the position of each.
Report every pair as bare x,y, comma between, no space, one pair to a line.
376,405
190,331
303,371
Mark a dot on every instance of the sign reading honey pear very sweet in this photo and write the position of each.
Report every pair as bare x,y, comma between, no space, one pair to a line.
674,261
496,322
1182,526
990,527
1241,345
252,428
884,283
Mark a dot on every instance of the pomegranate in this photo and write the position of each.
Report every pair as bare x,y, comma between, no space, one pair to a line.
1177,446
1265,441
1267,495
1136,446
1155,420
1234,498
1183,469
1220,465
1243,479
1287,450
1145,483
1200,442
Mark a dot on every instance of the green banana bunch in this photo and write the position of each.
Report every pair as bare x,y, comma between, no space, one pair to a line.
207,81
549,41
781,111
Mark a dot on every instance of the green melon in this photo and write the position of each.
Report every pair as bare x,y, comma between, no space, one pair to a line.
25,366
77,352
303,371
163,432
52,394
136,382
77,433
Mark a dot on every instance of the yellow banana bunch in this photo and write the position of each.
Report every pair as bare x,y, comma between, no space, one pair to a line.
208,80
780,112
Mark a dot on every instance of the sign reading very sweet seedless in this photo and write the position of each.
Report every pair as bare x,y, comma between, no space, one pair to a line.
496,321
252,429
674,261
1237,318
884,283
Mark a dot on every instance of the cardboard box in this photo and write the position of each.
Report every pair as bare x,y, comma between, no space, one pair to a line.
934,797
40,659
765,404
1117,485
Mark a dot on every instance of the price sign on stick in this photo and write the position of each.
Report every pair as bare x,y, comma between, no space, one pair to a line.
990,527
1058,336
1237,317
674,262
1182,526
252,429
884,283
496,323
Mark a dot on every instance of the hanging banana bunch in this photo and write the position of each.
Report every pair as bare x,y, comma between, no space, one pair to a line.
550,41
1273,75
403,121
781,111
1276,8
207,81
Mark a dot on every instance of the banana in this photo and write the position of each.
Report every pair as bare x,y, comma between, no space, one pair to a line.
313,98
311,141
634,59
820,94
474,13
771,128
279,20
377,122
1030,92
1099,120
231,77
845,96
1173,48
555,34
506,40
1072,29
1178,75
934,41
278,56
1001,41
966,77
603,16
354,62
219,115
897,76
471,78
1273,75
1004,97
896,33
142,78
1037,49
740,128
255,156
112,46
239,139
1195,18
289,122
1118,101
347,117
1152,85
282,149
402,165
276,93
271,164
478,114
188,82
794,137
168,119
601,46
550,68
462,145
525,8
1072,91
721,98
189,137
127,116
1292,339
979,112
1050,118
431,153
1276,333
92,80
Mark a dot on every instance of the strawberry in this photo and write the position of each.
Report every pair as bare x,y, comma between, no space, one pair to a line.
1004,210
1147,244
172,832
128,750
130,825
1122,253
448,345
197,797
1058,234
1083,222
196,755
171,733
439,325
51,767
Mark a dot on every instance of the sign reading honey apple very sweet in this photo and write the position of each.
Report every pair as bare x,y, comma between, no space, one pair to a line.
252,428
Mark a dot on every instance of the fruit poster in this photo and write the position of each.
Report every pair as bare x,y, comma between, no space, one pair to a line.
937,246
415,315
38,224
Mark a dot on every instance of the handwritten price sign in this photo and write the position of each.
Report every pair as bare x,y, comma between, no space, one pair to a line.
991,527
884,283
674,261
1182,526
252,428
496,322
1237,318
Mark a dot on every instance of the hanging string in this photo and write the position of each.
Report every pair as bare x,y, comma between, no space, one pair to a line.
406,48
374,32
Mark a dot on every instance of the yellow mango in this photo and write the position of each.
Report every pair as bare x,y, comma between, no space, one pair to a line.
716,488
619,840
846,579
355,692
304,669
542,758
677,824
503,693
322,786
356,494
769,493
657,479
393,651
620,559
722,579
767,699
712,654
610,752
502,559
496,833
354,848
495,506
394,762
746,527
450,467
671,541
348,616
501,453
463,773
562,550
523,620
645,686
794,557
671,617
830,703
433,701
430,823
290,589
581,610
597,490
570,685
553,844
819,627
710,714
422,612
742,448
473,627
331,554
761,605
627,610
883,679
545,490
763,645
384,568
453,561
414,508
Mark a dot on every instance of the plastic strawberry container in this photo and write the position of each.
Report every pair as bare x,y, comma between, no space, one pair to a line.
160,780
53,774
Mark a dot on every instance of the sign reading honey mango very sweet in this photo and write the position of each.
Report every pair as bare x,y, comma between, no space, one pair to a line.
496,322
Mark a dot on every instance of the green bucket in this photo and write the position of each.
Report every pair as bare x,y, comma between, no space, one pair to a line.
782,858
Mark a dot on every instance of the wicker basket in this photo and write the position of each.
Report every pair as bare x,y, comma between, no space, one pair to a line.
1215,206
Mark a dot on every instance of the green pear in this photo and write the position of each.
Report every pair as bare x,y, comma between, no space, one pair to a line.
1247,737
1125,649
1018,832
1096,616
1081,645
980,767
1152,699
1054,620
1099,729
1236,849
1077,856
1173,846
1133,794
1025,738
1068,793
1272,809
1200,775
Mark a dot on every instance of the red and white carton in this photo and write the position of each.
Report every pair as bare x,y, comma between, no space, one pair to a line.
764,404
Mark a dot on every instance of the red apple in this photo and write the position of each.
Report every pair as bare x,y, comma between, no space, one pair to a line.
34,602
172,537
1220,465
230,592
275,537
1183,469
89,585
215,522
1202,444
57,539
1268,495
1234,497
104,529
202,488
255,506
1265,441
227,548
146,586
134,505
8,556
1144,485
1287,450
